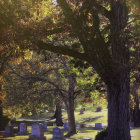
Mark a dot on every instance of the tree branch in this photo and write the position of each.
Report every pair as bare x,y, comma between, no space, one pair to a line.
102,10
76,93
60,50
92,4
66,10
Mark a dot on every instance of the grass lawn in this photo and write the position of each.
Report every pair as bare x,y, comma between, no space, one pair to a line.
89,117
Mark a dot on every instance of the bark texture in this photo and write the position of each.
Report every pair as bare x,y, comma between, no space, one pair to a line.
118,109
118,86
70,105
135,110
58,115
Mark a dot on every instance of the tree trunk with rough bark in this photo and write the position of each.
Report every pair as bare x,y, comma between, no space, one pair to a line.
71,119
1,113
136,109
1,117
118,109
58,114
70,105
118,85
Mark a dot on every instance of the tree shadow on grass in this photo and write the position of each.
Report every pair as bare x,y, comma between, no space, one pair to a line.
91,119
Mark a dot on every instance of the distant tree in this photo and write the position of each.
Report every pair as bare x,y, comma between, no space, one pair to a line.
43,78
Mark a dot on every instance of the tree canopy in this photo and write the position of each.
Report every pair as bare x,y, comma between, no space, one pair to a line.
98,32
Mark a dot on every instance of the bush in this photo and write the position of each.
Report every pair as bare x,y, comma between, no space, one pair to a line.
102,135
4,121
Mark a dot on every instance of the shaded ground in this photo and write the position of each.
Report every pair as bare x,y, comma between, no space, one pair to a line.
81,133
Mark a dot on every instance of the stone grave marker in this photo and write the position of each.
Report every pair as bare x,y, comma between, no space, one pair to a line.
37,132
66,126
98,109
63,107
58,134
23,129
8,131
44,126
82,110
43,110
98,126
131,125
54,124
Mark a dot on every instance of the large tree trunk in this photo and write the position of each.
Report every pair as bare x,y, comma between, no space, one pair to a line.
70,105
118,85
1,112
136,109
58,114
71,118
1,117
118,108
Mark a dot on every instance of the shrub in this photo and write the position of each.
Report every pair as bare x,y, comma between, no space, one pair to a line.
102,135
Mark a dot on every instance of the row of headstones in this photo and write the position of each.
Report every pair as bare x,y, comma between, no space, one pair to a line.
39,129
22,129
37,132
99,126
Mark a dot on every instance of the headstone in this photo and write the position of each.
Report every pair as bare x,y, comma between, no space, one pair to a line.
131,125
63,107
86,138
66,127
98,109
58,134
77,124
8,131
98,126
54,124
37,132
82,110
43,110
23,129
50,111
44,126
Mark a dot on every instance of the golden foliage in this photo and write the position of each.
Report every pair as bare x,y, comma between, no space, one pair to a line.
27,66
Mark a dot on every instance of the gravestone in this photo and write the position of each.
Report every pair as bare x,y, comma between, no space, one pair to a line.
43,110
44,126
98,109
82,110
50,111
54,124
66,127
63,107
98,126
8,131
58,134
37,132
23,129
131,125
